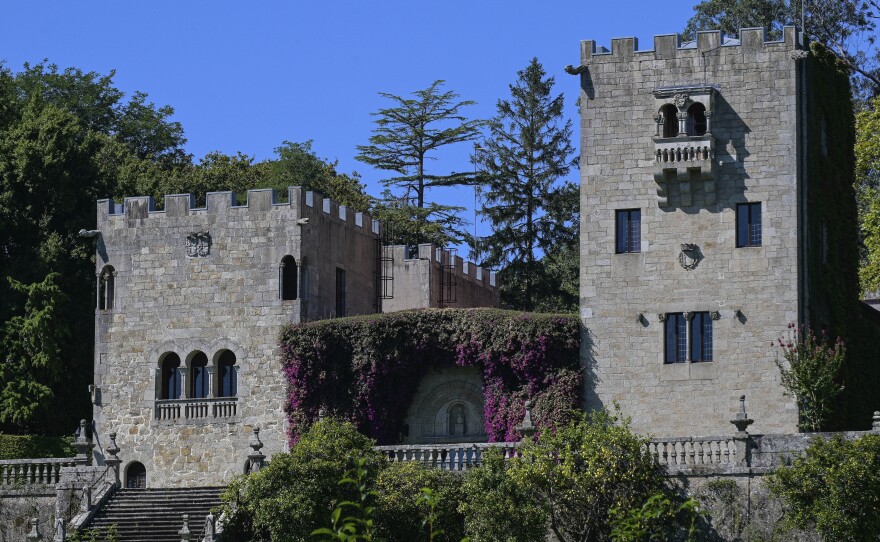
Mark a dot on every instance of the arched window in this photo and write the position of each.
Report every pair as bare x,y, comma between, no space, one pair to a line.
288,278
227,377
199,379
106,288
136,476
696,120
670,120
171,376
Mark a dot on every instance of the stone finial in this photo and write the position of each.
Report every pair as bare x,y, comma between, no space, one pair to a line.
322,414
83,445
184,531
875,422
256,457
742,420
60,530
527,428
86,503
209,531
113,460
35,530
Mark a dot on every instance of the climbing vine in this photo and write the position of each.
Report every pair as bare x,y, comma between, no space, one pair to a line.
366,369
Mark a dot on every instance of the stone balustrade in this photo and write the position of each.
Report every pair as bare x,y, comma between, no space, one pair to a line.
693,451
16,473
454,457
193,409
671,153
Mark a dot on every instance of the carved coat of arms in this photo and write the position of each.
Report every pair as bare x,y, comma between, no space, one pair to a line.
198,244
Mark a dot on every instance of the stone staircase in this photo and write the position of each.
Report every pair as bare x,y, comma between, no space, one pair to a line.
156,515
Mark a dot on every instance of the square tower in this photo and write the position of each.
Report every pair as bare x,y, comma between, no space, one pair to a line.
191,302
701,238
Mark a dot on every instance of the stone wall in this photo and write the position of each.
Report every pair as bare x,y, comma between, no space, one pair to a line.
749,154
208,280
431,277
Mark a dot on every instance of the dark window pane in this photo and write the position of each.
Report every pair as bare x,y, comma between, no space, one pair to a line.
628,235
676,338
748,224
682,338
697,337
199,375
707,338
621,232
755,224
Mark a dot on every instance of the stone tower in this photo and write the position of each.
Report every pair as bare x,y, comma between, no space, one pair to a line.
191,304
701,233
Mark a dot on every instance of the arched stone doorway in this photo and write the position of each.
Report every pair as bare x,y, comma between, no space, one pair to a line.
447,408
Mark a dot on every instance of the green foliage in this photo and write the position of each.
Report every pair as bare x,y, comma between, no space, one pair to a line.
527,152
358,524
846,27
110,534
295,493
496,509
406,136
867,151
400,514
661,518
33,446
811,373
578,473
834,488
32,363
367,368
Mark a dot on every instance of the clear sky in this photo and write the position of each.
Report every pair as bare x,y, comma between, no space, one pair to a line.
245,76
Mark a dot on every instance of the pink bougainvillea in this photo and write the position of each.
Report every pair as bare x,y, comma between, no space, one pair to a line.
366,369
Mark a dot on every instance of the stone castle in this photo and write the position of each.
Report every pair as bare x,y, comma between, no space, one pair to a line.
701,240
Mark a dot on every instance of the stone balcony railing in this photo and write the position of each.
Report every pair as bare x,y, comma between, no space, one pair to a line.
683,152
195,409
22,473
689,452
454,457
682,161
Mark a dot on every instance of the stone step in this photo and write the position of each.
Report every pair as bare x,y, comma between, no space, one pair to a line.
156,515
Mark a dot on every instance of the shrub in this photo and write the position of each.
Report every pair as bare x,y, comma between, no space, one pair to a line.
578,473
661,518
366,369
834,487
496,509
399,514
297,492
34,447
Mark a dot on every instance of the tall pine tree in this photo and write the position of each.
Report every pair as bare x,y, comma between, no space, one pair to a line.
405,138
527,153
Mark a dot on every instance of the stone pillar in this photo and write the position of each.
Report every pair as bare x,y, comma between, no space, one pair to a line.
83,445
85,503
184,531
212,386
35,531
113,460
256,457
60,534
875,422
210,533
741,437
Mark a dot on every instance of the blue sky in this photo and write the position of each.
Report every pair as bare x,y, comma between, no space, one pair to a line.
245,76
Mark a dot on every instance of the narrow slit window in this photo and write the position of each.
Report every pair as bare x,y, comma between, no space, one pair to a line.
288,278
106,288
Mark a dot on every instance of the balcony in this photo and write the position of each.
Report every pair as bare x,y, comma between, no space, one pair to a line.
685,161
210,409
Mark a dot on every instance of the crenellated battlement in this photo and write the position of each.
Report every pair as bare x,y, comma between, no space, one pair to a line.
305,205
670,46
464,269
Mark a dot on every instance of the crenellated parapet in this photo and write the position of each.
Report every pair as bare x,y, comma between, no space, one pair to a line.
305,205
670,46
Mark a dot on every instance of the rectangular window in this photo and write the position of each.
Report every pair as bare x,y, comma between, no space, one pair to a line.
748,224
701,337
676,338
629,230
340,292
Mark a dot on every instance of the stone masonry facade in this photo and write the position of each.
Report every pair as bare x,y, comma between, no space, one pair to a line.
687,170
187,281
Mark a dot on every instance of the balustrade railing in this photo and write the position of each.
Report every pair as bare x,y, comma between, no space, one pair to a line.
454,457
683,152
192,409
693,451
32,472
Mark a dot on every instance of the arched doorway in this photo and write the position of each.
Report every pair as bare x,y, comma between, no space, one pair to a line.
136,476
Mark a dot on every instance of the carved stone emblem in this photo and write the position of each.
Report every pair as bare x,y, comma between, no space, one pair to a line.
690,256
715,315
681,100
198,244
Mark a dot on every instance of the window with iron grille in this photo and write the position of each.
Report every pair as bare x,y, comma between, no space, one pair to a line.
629,231
676,338
748,224
701,337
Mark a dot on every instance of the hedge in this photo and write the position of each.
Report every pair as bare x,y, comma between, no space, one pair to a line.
33,447
366,369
